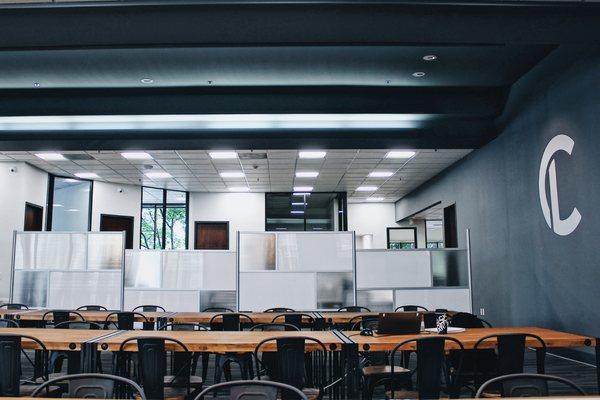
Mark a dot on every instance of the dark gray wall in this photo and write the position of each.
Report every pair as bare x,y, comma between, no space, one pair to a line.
524,273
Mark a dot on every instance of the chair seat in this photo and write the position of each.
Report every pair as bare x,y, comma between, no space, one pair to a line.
406,394
195,381
312,393
372,370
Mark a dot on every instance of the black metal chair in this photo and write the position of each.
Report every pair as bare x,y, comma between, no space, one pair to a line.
8,323
229,322
149,308
59,316
468,320
15,306
293,365
509,355
255,390
91,386
57,357
411,308
218,309
126,320
274,327
526,385
10,359
353,309
361,322
78,325
296,319
152,367
190,327
431,365
279,310
92,307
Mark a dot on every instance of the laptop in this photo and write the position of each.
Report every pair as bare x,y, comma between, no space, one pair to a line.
399,323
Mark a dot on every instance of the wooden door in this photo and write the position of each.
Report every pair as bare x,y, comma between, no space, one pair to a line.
118,223
211,235
33,217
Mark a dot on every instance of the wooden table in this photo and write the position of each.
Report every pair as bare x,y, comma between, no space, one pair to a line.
56,339
92,316
257,318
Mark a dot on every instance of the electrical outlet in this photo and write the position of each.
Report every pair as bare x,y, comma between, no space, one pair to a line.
482,311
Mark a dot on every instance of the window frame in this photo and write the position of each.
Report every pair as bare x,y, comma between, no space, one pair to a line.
414,228
50,200
164,206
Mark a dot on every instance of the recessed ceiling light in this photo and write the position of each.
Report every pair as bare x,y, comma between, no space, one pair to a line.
430,57
303,189
312,154
381,174
400,154
239,189
158,175
136,155
51,156
36,84
307,174
301,194
147,81
232,174
299,204
297,212
375,199
87,175
222,155
418,74
57,205
366,188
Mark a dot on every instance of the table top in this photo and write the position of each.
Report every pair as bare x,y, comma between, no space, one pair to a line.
56,339
219,341
257,317
92,316
469,337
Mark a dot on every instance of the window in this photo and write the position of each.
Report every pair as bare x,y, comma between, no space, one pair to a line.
434,234
402,238
69,204
164,219
305,212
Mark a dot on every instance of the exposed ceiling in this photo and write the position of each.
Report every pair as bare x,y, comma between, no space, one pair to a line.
340,170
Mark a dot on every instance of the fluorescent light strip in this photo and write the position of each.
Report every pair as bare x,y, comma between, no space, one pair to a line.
312,154
299,204
381,174
136,155
366,188
158,175
303,189
51,156
400,154
222,155
296,212
307,174
212,122
375,199
87,175
232,174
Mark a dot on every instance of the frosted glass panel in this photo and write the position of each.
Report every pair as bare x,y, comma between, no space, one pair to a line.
66,251
392,269
217,298
450,299
317,252
171,300
334,290
257,251
105,251
219,270
143,269
261,290
181,270
450,268
376,300
74,289
31,288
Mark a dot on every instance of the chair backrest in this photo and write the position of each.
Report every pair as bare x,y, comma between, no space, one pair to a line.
361,322
510,348
218,309
254,390
152,359
59,316
15,306
8,323
295,319
229,321
273,327
92,307
288,364
526,385
411,307
279,310
468,320
430,363
353,309
90,386
178,326
10,356
125,320
149,308
77,325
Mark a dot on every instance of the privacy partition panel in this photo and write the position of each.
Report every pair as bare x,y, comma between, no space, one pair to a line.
64,270
299,270
433,278
180,280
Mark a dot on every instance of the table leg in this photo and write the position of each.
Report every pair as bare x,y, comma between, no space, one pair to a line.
540,358
89,357
351,369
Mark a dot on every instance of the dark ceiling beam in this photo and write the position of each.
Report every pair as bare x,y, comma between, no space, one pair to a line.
287,23
482,102
466,134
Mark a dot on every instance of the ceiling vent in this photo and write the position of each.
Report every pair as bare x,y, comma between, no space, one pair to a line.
252,156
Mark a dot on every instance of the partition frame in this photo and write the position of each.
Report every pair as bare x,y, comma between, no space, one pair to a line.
87,234
276,233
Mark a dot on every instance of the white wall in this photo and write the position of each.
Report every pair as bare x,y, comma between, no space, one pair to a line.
107,200
26,184
374,219
244,211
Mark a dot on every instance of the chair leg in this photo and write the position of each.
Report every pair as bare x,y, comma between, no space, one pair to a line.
205,359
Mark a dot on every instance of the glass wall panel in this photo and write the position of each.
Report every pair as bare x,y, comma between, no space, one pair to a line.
434,230
164,219
70,204
306,211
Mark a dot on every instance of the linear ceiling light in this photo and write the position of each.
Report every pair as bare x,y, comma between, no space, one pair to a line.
400,154
307,174
136,155
381,174
222,155
87,175
232,174
158,175
51,156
